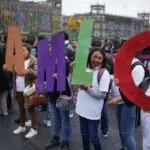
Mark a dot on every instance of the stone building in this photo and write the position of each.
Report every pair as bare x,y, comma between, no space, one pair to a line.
33,17
113,26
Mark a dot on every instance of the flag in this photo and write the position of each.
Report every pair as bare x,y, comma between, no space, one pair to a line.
71,21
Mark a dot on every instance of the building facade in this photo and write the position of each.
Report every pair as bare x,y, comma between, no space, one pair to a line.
32,17
113,26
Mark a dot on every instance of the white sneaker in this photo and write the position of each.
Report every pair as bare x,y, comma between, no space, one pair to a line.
31,133
71,115
19,130
47,123
28,123
106,135
5,113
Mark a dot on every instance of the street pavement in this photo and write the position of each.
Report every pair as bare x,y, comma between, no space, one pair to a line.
8,141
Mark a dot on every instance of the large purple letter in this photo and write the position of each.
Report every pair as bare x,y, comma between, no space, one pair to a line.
58,55
44,61
47,63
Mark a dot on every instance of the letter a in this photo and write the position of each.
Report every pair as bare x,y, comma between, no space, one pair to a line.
14,50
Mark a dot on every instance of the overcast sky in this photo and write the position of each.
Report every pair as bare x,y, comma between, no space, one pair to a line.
117,7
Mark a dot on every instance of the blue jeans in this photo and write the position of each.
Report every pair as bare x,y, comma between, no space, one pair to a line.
61,117
89,133
126,123
104,120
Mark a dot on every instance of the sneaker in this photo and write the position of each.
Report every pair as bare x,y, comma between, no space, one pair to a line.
47,123
71,115
5,113
19,130
31,133
53,143
28,123
106,135
65,146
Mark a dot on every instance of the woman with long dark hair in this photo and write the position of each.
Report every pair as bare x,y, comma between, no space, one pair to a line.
90,100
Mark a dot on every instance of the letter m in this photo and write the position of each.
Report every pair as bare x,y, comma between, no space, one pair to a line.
51,62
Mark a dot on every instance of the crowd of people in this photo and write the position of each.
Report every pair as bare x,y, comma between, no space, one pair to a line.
97,97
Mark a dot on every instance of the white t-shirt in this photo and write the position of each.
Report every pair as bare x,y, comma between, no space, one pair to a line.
89,106
20,83
138,73
115,90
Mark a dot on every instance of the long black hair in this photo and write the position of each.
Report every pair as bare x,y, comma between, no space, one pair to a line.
89,65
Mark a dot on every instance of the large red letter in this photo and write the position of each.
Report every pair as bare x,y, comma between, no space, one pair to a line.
123,69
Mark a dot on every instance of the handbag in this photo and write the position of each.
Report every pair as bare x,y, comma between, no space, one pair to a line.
29,90
34,100
65,102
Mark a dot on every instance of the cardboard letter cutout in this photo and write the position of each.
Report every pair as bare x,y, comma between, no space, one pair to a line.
79,74
47,63
123,69
44,61
58,57
14,46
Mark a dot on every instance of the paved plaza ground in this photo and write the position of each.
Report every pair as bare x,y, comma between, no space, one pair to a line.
8,141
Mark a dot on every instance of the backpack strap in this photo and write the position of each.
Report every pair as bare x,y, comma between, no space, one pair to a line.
147,74
136,64
99,75
145,84
110,84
